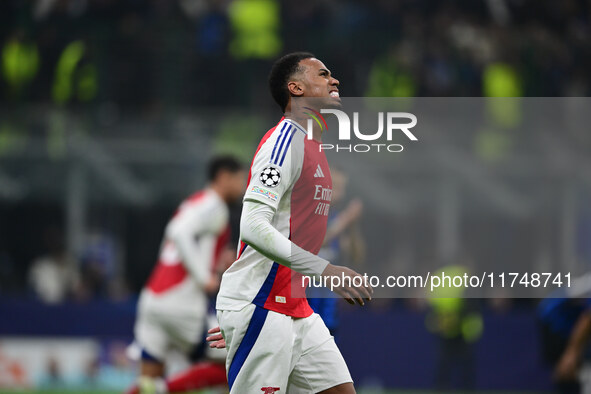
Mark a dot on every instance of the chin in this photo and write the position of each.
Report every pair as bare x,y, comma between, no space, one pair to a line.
333,102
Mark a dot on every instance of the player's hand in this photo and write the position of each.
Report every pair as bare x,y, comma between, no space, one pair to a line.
567,366
342,280
216,338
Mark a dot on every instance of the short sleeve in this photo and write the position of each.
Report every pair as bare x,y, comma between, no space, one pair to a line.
276,166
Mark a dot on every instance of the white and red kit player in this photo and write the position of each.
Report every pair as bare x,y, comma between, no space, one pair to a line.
172,308
275,342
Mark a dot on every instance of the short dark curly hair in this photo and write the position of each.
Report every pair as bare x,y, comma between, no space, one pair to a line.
282,70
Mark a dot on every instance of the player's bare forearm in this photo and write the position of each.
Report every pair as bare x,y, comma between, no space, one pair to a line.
581,332
568,363
343,221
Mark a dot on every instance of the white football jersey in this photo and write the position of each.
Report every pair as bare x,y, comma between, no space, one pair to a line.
192,242
289,173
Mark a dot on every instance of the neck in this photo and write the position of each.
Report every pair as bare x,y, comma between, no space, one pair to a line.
302,120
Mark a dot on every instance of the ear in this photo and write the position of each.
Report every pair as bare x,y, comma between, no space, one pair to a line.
295,88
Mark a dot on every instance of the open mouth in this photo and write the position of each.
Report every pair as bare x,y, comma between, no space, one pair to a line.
334,93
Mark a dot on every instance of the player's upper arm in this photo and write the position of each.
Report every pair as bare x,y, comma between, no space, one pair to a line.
275,167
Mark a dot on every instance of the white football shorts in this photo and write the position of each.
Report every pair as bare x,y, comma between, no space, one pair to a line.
159,332
272,352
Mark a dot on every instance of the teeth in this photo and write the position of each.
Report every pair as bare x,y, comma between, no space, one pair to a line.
334,94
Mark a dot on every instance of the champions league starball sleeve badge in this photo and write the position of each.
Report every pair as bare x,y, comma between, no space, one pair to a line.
270,176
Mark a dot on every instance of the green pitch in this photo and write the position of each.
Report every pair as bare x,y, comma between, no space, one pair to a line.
205,392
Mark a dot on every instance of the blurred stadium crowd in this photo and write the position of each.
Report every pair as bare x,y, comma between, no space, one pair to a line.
153,53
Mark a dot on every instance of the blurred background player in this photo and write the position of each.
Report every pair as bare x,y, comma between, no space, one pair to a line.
343,245
565,318
172,309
